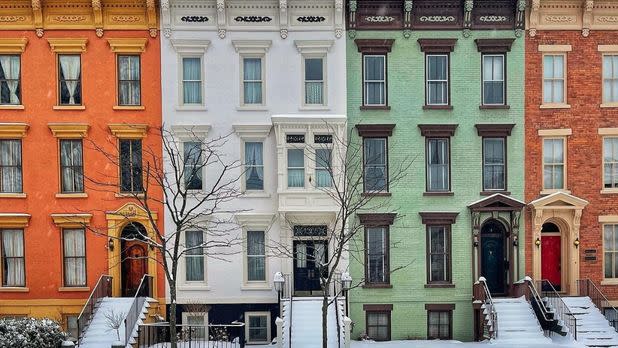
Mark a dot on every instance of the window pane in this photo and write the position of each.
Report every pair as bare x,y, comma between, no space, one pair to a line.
10,166
296,168
10,79
252,70
437,164
313,69
13,268
71,166
70,75
437,67
558,67
323,167
192,84
376,250
375,164
374,93
548,66
258,328
74,257
256,260
254,166
193,165
374,68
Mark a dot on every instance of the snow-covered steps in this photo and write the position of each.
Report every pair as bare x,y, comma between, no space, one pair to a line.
593,329
307,323
517,322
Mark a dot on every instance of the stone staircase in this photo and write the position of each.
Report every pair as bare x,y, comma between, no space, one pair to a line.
517,323
593,329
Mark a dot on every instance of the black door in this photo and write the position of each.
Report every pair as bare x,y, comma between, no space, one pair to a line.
493,262
308,255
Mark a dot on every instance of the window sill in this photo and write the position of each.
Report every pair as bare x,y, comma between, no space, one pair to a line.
489,193
375,107
72,195
129,195
314,108
609,105
193,287
377,286
550,191
74,289
449,193
376,194
555,106
494,107
256,287
609,282
252,108
69,107
12,195
14,289
258,194
439,286
195,107
437,107
12,107
609,191
129,107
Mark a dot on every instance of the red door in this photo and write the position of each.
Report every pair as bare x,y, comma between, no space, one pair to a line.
133,267
550,260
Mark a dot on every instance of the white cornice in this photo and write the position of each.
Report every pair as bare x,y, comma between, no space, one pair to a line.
259,131
313,46
190,45
191,132
252,46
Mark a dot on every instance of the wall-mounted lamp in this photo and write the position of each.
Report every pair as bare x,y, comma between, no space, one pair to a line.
576,242
475,242
110,244
515,241
537,242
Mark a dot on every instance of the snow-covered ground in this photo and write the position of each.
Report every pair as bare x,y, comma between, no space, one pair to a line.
451,344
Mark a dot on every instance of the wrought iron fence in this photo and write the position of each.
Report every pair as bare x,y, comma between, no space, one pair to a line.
586,287
144,290
103,288
559,309
192,336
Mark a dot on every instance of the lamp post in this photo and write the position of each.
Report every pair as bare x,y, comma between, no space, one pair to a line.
346,283
279,281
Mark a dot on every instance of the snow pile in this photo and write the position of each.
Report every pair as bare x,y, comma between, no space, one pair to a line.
517,322
29,332
307,323
593,329
99,334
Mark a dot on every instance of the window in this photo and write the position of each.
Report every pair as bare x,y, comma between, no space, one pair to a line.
494,164
254,166
553,79
296,168
610,78
258,327
610,250
314,81
437,79
70,79
13,264
379,325
252,80
71,327
377,249
256,256
323,167
71,166
438,163
374,80
553,163
10,86
375,164
129,91
198,321
193,165
10,166
74,253
194,257
131,165
438,254
610,162
493,79
191,80
439,325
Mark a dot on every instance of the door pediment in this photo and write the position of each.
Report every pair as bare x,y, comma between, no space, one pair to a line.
496,201
559,200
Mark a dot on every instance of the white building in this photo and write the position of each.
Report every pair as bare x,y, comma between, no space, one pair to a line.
272,74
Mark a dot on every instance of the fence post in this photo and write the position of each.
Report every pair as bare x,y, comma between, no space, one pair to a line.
347,323
279,323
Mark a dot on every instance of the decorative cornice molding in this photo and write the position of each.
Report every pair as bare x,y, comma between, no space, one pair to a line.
375,130
438,218
191,132
13,130
128,131
68,130
67,45
494,45
14,220
258,131
128,45
377,219
9,45
71,220
252,46
494,130
555,48
313,46
190,45
583,15
437,45
437,130
374,45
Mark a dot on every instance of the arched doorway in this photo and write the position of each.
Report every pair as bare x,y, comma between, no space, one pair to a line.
494,264
134,256
551,254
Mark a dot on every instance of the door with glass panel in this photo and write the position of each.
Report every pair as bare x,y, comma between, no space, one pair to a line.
309,258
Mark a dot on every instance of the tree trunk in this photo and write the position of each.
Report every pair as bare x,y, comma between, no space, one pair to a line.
172,316
324,321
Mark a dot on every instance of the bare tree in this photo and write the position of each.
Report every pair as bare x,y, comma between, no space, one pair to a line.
114,320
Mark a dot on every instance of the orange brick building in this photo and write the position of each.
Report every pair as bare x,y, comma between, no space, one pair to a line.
572,144
72,76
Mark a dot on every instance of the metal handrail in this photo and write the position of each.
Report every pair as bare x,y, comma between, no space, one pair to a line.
534,293
101,289
557,303
136,306
491,308
599,300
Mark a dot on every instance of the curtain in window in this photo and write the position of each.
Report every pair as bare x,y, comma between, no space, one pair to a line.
258,328
198,326
375,164
378,326
494,173
10,66
374,80
437,254
131,166
438,165
323,169
610,245
194,258
301,255
192,80
439,325
256,256
252,68
70,65
10,166
437,77
193,165
375,254
610,159
493,80
553,81
610,78
74,257
296,168
553,157
129,80
14,273
314,78
254,166
71,165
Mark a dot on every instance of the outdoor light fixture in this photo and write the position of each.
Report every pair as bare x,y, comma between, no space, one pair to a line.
278,281
110,244
576,242
346,284
515,241
537,242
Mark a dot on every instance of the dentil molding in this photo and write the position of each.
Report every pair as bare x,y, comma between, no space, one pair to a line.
581,15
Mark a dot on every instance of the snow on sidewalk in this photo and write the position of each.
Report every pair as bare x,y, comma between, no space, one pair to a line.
99,335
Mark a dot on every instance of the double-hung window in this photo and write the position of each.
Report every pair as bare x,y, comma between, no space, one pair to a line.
437,81
438,165
323,160
296,160
74,254
375,164
71,166
254,166
10,86
258,327
13,262
610,162
70,79
191,80
194,256
379,325
610,250
252,79
131,165
438,254
314,81
439,324
256,256
129,81
610,78
554,163
554,84
374,81
494,164
10,166
377,255
193,165
493,79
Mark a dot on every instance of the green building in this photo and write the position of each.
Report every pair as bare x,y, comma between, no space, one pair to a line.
438,84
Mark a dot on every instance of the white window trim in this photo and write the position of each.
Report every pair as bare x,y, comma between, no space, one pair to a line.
181,97
564,104
604,103
314,49
251,49
503,55
448,72
188,133
255,222
190,48
254,133
606,281
185,315
605,190
546,191
182,264
365,103
268,328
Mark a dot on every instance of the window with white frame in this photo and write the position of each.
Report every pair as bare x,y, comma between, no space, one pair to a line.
610,162
610,250
493,79
69,79
314,81
554,163
74,256
13,260
254,165
71,166
194,256
193,165
10,80
296,160
610,78
71,326
197,323
256,256
374,82
437,79
252,80
554,84
10,166
257,326
323,160
129,80
192,80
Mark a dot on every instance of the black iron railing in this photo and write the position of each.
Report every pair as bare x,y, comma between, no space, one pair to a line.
144,290
543,313
560,310
482,293
586,287
193,336
103,288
